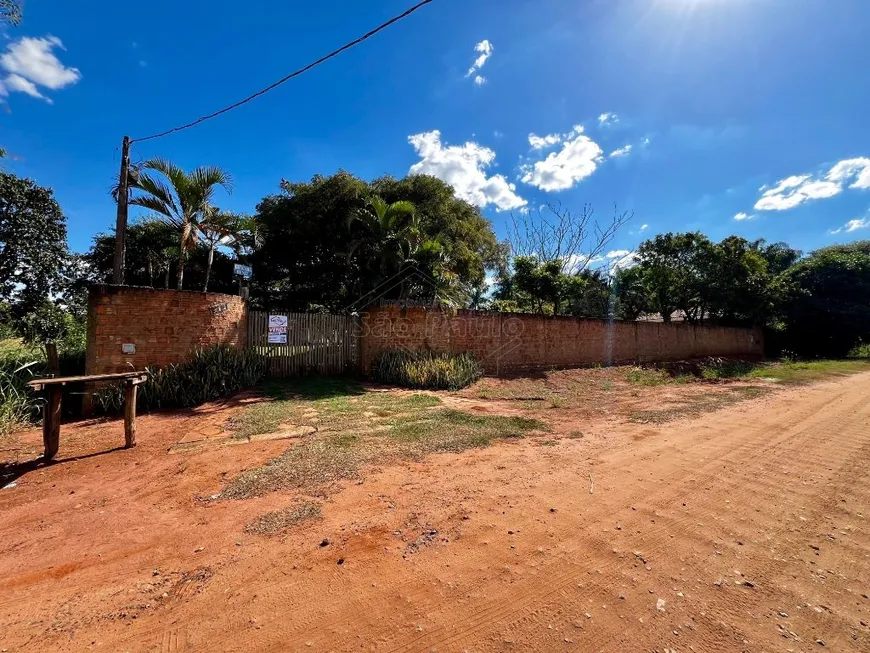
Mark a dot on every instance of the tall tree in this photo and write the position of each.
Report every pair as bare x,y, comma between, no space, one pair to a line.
673,270
32,243
459,242
304,259
829,310
183,201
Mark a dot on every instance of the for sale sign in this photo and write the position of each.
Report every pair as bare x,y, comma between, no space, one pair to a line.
278,329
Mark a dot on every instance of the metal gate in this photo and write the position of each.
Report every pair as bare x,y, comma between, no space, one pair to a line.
314,343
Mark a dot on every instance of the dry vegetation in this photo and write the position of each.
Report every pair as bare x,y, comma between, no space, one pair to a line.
351,428
279,521
342,427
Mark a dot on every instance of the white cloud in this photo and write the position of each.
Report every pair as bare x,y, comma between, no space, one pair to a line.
613,260
851,169
30,63
484,50
743,216
542,142
643,228
480,80
606,119
578,158
797,189
622,151
463,167
18,83
853,225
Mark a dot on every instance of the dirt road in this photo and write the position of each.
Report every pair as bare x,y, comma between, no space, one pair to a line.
742,530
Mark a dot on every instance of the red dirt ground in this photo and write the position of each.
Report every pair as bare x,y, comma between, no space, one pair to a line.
747,527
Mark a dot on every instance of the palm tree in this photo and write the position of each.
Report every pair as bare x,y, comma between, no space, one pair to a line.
219,228
391,229
183,201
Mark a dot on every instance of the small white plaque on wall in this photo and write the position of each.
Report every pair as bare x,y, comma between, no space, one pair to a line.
128,348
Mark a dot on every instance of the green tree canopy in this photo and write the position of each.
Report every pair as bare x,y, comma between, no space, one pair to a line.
184,202
32,243
734,281
829,310
152,257
325,242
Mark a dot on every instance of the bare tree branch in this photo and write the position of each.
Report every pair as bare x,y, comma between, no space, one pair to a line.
552,233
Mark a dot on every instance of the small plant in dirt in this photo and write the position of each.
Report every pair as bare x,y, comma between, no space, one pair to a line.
209,374
426,369
558,402
647,376
280,521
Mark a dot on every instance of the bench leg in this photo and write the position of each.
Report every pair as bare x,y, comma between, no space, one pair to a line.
51,423
130,415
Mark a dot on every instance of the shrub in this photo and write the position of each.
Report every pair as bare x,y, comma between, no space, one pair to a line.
426,369
209,374
714,368
860,350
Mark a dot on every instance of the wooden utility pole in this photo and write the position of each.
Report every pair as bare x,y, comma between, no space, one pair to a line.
121,221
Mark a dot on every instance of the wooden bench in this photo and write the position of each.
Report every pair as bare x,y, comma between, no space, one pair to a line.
53,389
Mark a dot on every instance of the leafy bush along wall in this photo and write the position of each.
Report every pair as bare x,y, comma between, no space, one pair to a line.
209,374
426,369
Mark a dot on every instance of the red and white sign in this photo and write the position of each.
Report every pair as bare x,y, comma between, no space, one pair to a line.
277,330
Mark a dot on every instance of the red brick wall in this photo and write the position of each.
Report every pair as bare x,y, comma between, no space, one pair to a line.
509,343
164,325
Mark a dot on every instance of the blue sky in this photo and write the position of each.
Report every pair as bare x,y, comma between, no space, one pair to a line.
714,108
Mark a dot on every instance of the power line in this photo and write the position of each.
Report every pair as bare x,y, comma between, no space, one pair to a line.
296,73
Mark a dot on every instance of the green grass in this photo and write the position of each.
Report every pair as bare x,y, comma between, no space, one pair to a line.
355,428
647,376
328,403
800,372
15,348
723,369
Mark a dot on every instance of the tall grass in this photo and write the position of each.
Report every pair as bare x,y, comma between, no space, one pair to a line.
19,363
209,374
19,407
426,369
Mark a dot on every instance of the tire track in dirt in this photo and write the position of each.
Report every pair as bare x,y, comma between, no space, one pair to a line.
751,488
802,443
